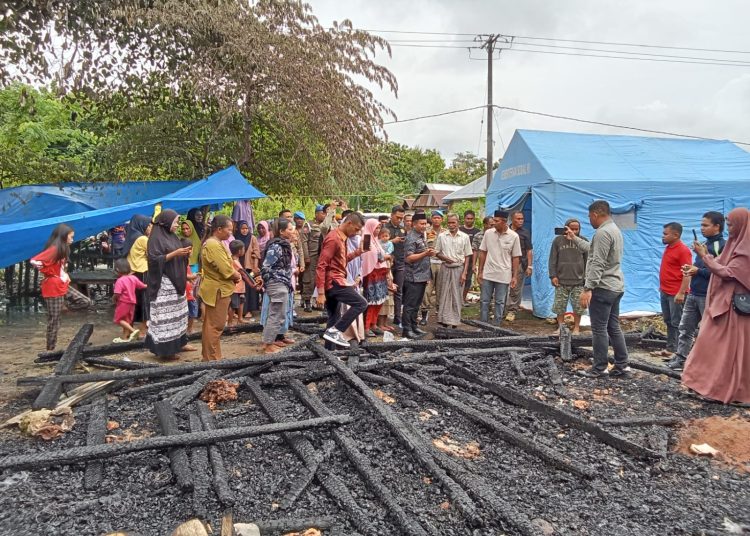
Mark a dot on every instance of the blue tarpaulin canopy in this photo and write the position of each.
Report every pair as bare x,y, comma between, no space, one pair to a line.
648,182
23,239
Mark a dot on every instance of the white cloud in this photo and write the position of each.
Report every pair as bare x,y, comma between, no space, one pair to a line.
704,100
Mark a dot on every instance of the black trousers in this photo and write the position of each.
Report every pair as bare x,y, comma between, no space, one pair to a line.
348,296
413,295
398,280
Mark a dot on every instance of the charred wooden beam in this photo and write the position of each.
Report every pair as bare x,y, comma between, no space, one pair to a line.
52,389
250,371
51,458
490,342
220,476
199,465
288,354
654,369
304,450
97,430
456,493
555,377
178,457
566,343
561,416
117,363
361,462
375,378
444,333
517,363
116,348
503,332
159,387
642,421
308,475
308,329
292,525
527,444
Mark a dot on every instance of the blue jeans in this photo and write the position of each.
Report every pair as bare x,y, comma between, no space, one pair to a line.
501,291
604,311
672,313
692,313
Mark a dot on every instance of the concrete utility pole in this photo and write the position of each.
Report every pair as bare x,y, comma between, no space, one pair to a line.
490,45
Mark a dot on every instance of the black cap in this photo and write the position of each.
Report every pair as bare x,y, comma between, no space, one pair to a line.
419,216
501,214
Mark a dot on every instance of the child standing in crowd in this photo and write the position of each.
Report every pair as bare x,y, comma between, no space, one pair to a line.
55,286
237,249
388,307
189,295
124,298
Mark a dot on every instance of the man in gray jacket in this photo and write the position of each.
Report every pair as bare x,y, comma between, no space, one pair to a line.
602,291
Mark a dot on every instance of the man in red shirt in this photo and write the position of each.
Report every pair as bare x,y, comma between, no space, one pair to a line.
330,279
672,285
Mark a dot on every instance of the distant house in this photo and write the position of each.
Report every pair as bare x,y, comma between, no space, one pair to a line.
432,195
408,202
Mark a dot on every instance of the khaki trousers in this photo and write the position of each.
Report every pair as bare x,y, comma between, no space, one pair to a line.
213,326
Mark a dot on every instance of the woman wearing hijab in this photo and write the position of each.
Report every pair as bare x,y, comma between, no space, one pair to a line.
264,235
187,230
277,272
718,366
250,262
356,331
135,249
195,216
167,279
374,277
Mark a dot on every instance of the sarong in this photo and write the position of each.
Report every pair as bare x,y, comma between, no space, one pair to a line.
167,327
450,299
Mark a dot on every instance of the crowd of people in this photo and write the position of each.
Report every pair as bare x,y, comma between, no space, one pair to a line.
390,273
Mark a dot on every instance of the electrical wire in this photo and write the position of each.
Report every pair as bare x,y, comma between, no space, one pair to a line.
634,45
567,118
433,115
416,33
434,46
630,53
625,57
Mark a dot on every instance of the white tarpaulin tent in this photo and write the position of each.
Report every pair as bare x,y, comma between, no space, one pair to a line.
474,190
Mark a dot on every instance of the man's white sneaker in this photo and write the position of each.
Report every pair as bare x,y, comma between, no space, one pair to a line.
333,335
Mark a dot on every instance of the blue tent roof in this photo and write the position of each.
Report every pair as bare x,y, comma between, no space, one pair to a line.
24,203
24,239
556,175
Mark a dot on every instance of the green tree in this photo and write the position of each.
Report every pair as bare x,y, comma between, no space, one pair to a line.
42,138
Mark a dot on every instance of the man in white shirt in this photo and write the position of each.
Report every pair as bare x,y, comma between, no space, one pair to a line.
499,261
454,249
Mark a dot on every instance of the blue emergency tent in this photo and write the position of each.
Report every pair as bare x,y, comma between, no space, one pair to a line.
23,239
553,176
24,203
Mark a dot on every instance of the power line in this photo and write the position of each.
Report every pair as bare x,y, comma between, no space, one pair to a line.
634,45
568,118
434,46
644,54
626,57
434,115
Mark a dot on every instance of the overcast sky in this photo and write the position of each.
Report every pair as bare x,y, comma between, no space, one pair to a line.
703,100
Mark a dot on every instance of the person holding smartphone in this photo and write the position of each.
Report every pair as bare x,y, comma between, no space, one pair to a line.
567,273
672,284
712,229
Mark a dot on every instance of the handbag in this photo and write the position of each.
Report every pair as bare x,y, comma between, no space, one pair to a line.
741,303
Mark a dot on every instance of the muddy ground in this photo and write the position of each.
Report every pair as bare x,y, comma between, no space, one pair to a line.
621,495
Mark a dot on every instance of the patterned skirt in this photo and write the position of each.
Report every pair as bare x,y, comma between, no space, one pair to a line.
167,328
376,286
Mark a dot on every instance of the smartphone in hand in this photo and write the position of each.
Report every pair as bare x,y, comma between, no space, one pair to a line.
366,242
559,231
695,235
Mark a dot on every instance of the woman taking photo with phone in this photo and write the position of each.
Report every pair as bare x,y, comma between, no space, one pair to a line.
718,366
56,289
